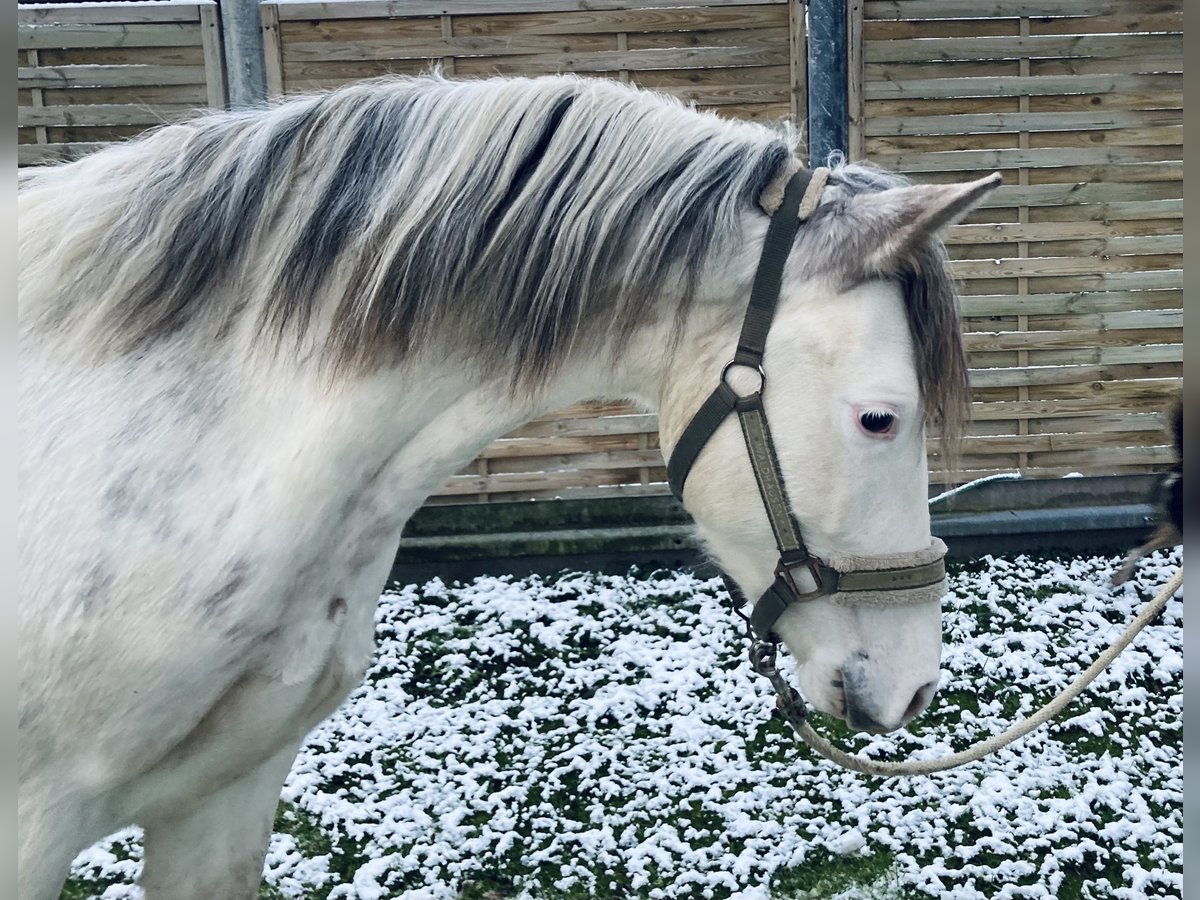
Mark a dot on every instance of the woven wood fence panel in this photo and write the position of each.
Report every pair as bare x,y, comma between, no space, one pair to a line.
90,74
740,58
1072,274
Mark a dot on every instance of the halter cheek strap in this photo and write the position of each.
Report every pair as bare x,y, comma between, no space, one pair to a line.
903,578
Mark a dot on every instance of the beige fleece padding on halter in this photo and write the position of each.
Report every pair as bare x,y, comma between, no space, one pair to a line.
772,194
849,562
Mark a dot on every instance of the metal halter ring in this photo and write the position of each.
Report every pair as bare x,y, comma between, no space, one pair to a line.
762,377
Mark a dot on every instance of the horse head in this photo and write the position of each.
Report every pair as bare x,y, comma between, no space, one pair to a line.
860,349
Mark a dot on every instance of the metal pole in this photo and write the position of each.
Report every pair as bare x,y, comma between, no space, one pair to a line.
828,80
245,65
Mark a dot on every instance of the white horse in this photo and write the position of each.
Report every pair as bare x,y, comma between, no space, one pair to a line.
252,344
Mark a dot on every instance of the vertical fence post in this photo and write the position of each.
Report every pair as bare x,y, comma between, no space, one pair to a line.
856,141
828,99
214,60
245,69
797,73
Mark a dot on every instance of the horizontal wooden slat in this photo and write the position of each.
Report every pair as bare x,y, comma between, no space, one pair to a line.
1064,377
1101,302
562,493
1165,135
600,61
1148,64
570,427
41,154
924,108
991,47
1091,339
1121,23
734,37
1079,194
1137,395
1019,86
978,446
290,10
966,9
1126,23
1110,233
725,95
1033,268
122,56
91,133
614,61
108,76
108,13
1045,159
510,448
634,21
403,47
100,114
1019,121
600,460
182,96
1113,321
57,37
1105,456
1148,354
541,481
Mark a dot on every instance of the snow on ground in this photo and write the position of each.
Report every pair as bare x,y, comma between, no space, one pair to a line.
597,736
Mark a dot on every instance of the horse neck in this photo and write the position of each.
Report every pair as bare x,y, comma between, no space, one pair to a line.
400,433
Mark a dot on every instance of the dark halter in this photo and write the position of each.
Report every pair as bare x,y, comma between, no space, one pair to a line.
764,297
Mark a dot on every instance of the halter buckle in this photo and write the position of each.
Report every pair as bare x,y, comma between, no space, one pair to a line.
825,578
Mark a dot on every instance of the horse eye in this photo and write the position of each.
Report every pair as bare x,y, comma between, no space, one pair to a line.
877,422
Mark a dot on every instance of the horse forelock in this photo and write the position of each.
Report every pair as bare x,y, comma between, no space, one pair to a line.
931,308
520,215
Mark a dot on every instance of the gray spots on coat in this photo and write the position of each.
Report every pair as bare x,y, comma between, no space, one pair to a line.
217,602
97,584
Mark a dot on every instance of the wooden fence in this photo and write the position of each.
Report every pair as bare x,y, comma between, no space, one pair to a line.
90,74
1071,274
742,57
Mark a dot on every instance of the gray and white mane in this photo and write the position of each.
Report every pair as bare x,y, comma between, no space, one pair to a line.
556,214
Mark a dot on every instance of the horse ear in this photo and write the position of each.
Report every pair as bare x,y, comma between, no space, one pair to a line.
896,220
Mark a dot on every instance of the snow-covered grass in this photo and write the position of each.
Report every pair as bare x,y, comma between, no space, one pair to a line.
596,736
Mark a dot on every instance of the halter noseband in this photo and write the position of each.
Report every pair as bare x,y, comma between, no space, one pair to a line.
897,578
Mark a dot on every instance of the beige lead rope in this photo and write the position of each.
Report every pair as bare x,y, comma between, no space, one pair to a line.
1022,728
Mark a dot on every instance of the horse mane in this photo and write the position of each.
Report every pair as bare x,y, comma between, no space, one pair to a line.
525,214
529,215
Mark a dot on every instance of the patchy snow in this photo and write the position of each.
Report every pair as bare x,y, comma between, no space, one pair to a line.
603,736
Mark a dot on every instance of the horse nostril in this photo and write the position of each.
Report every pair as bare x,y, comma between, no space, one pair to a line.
920,700
859,711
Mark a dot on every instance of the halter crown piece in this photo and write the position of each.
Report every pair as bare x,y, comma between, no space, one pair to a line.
877,580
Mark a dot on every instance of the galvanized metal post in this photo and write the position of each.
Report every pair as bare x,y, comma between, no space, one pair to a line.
245,67
828,80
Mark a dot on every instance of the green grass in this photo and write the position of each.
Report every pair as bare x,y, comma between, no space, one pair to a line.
924,838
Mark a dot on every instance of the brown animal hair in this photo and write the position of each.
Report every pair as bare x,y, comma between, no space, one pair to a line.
1169,500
